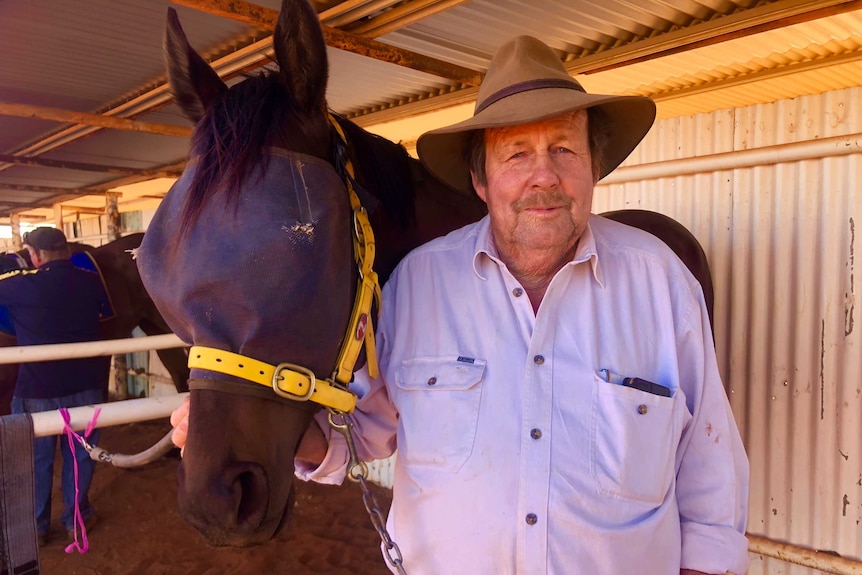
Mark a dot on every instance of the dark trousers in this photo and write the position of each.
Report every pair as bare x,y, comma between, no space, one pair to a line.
44,449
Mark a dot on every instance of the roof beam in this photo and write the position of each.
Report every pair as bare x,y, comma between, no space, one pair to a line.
68,165
49,190
403,15
346,13
266,18
83,210
67,117
57,195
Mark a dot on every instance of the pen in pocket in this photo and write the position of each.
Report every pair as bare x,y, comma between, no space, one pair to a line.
635,383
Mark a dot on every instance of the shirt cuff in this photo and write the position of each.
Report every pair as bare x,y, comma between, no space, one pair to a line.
333,468
714,549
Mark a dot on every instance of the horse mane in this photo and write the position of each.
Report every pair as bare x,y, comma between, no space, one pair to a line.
383,169
229,139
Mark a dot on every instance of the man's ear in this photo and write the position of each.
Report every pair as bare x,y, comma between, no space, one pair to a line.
481,189
34,256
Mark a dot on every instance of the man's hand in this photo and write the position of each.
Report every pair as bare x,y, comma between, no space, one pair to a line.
313,445
180,422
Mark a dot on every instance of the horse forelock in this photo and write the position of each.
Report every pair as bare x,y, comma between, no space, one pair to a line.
229,140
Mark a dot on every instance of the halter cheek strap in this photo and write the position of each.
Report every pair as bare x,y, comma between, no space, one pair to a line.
298,383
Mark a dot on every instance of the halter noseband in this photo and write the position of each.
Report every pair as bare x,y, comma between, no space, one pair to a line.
297,383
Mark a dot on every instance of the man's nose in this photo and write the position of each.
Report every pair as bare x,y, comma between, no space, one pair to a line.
545,173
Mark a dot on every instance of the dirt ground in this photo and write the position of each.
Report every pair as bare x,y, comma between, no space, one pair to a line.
140,532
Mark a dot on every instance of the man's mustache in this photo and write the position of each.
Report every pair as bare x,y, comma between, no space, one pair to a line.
543,200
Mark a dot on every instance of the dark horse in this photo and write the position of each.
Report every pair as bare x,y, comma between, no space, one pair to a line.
130,303
251,252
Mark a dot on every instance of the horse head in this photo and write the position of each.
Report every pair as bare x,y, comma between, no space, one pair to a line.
251,254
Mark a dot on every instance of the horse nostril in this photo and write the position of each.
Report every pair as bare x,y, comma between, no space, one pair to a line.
231,507
253,496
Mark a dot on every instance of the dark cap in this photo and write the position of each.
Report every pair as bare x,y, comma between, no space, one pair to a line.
44,238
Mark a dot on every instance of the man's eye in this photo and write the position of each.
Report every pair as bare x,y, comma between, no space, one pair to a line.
564,150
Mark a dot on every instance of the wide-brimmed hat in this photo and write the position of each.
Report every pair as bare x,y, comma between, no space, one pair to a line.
45,238
526,82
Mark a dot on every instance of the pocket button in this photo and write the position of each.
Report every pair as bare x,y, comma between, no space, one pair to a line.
642,409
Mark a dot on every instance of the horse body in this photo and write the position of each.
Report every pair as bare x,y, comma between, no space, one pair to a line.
131,305
250,252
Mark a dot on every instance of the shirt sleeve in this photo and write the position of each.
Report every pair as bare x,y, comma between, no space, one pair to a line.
375,422
713,474
375,418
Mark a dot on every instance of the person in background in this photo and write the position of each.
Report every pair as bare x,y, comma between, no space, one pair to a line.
56,303
548,376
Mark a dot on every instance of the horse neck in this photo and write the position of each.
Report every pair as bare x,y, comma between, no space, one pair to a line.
436,209
441,209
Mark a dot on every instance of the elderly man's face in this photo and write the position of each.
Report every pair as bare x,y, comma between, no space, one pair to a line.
539,184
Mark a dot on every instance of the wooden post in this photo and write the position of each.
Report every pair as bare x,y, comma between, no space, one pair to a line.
112,211
58,217
119,385
15,222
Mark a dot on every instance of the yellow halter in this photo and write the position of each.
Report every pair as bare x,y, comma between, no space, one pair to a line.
295,382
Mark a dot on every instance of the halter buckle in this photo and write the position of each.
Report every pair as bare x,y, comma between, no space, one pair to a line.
276,377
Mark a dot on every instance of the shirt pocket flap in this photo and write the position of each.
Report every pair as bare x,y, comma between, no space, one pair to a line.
443,373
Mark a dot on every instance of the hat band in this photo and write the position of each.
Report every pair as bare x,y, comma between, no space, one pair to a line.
526,87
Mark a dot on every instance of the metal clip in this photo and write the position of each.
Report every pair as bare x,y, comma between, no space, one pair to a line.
356,469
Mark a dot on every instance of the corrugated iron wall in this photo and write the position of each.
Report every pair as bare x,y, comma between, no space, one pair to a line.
781,241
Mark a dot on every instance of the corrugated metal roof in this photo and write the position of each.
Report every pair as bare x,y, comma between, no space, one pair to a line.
480,26
105,57
803,59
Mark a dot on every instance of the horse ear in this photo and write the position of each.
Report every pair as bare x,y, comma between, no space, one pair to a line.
300,51
194,84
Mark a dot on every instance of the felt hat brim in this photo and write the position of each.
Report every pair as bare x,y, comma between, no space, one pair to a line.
525,83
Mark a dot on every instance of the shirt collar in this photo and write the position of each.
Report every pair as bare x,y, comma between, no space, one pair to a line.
485,253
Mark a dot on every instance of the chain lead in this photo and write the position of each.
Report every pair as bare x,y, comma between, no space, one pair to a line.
357,471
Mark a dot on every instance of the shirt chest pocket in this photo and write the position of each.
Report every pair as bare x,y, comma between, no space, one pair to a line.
438,404
633,441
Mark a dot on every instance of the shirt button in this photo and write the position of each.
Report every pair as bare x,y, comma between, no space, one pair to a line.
642,409
536,433
539,360
432,380
531,519
517,292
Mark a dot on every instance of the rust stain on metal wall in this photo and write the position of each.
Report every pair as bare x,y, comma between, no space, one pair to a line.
850,298
822,362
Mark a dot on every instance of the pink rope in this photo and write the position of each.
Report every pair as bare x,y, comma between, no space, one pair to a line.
77,520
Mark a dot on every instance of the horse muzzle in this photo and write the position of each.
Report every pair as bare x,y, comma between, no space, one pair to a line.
236,508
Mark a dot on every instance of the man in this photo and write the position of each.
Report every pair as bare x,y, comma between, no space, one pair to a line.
56,303
548,376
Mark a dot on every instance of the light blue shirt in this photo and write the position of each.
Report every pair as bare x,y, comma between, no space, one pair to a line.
519,448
